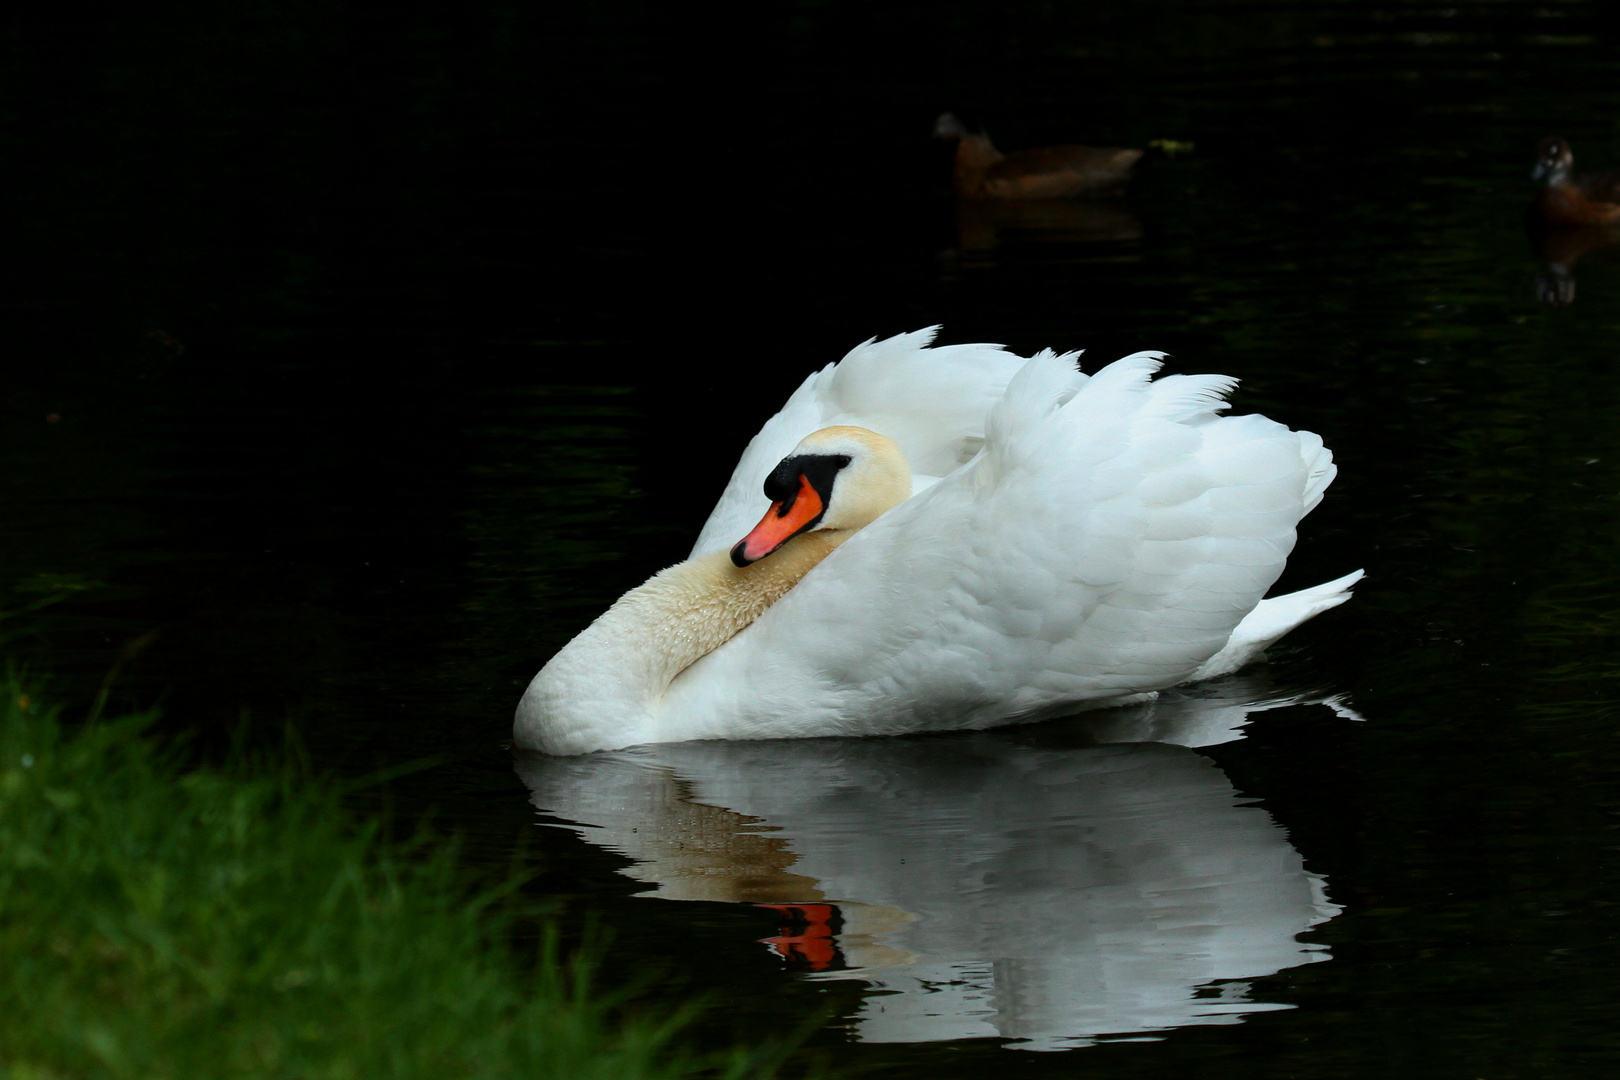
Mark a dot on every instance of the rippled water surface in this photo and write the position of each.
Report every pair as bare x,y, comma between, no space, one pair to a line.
357,360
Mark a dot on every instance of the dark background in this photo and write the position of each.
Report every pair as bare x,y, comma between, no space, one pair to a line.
365,353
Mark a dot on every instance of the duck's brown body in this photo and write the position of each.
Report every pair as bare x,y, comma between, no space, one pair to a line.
1572,204
981,171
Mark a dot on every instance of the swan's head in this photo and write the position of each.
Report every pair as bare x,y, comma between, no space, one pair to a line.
839,479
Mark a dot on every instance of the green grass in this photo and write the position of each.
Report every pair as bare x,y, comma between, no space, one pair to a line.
162,922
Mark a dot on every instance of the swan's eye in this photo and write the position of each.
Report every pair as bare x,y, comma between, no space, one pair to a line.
782,486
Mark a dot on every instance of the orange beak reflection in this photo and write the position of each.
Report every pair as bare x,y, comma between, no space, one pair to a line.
781,523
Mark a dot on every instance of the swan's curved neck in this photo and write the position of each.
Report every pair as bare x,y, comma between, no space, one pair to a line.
615,673
694,607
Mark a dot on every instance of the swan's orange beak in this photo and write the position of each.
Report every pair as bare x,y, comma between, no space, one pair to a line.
781,523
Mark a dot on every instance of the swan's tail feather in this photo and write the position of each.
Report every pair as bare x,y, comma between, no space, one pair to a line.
1273,618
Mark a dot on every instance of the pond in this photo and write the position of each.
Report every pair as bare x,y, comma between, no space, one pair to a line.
359,360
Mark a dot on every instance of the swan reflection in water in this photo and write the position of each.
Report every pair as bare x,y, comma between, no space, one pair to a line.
1046,884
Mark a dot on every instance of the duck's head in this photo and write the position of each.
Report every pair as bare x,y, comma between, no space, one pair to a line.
948,128
1553,160
837,480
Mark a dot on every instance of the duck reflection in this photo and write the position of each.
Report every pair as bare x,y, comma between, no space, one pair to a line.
984,226
1560,247
1046,884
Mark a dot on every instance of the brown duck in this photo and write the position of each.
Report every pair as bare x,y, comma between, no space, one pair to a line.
1051,172
1565,199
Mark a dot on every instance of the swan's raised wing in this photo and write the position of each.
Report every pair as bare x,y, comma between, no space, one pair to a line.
1107,540
932,402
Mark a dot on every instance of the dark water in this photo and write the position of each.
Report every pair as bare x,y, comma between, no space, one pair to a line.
366,355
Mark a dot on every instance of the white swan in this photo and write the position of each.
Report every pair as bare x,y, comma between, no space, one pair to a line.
1068,542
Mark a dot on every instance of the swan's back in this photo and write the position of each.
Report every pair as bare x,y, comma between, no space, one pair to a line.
1110,536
